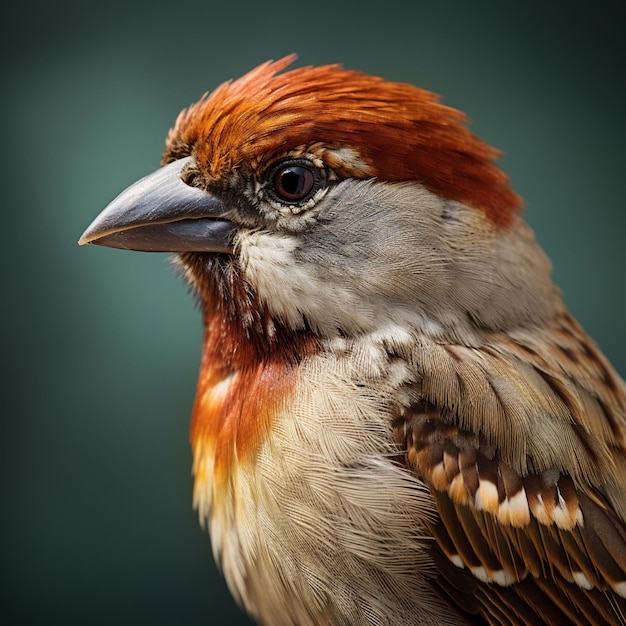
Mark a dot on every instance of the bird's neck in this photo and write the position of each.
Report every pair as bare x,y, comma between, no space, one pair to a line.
244,379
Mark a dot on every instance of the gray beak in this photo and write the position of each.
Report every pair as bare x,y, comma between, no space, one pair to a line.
161,213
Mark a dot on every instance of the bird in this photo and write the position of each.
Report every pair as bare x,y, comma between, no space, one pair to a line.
397,419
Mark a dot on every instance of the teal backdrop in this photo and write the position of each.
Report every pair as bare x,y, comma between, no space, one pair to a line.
101,347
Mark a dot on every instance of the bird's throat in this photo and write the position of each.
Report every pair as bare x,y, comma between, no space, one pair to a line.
241,389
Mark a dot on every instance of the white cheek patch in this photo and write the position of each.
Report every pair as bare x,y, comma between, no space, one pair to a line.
291,291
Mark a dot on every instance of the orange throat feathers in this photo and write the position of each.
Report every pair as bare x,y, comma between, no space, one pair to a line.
241,389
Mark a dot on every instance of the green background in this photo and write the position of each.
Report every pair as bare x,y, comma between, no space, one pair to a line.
101,347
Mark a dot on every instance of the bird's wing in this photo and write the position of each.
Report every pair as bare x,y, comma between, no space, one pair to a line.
526,461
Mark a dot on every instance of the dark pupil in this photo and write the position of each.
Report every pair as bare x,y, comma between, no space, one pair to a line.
294,182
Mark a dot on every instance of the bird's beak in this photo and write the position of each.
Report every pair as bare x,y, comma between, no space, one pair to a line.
161,213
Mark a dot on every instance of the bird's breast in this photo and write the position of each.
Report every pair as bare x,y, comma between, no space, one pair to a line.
296,475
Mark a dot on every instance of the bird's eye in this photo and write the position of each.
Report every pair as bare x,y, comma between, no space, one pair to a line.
294,181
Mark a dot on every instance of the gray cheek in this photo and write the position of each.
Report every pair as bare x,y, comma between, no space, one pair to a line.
390,254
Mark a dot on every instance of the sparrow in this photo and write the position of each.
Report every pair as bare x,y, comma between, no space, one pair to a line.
397,420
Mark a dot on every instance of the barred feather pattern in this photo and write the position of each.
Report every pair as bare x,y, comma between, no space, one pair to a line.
534,535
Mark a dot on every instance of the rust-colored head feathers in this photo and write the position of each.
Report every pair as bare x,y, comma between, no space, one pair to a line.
394,131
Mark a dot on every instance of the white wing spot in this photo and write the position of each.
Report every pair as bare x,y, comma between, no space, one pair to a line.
502,578
486,497
499,577
481,574
514,511
457,560
620,589
581,580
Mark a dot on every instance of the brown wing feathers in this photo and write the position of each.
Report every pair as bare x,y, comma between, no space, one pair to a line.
541,542
570,549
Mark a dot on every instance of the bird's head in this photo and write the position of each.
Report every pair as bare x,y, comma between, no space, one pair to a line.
333,202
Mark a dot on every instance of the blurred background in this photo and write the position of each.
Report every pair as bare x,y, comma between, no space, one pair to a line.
101,347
